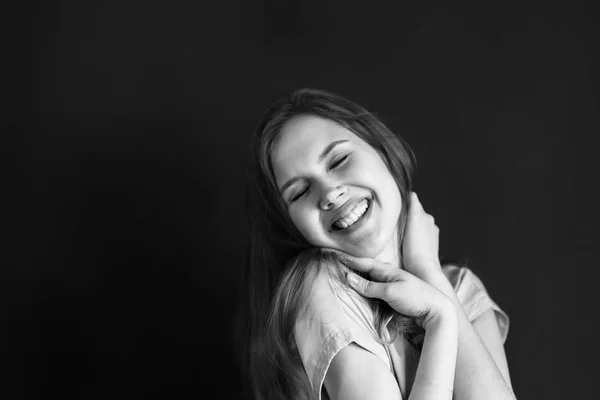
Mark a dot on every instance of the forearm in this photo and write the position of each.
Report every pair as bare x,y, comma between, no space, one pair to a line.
477,375
435,373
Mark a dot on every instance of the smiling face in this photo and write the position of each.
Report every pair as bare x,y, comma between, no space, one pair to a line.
325,173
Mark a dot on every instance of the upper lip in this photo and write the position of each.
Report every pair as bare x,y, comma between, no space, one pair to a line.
345,208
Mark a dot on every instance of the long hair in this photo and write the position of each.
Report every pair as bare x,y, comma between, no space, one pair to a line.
270,364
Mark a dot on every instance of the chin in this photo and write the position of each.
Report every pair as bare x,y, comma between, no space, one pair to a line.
370,251
374,248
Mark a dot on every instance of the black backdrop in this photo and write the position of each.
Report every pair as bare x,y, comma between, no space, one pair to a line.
124,134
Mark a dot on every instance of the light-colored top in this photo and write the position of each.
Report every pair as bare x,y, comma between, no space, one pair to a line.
335,315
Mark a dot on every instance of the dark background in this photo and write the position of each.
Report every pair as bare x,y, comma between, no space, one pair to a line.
124,135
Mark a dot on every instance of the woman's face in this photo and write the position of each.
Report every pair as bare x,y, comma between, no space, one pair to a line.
338,191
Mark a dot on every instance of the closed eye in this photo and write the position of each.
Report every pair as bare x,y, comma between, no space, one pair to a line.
296,197
339,162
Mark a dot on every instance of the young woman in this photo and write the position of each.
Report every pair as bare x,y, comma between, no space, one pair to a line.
346,297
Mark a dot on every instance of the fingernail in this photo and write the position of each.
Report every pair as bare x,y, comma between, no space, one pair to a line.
352,279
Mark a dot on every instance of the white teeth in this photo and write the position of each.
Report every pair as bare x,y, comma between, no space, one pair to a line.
353,216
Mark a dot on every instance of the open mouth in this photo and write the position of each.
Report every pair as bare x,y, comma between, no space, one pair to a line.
352,219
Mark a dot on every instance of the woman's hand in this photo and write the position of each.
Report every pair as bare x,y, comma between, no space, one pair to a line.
420,256
420,245
404,292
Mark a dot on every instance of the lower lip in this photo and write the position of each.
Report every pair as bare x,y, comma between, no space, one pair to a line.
358,223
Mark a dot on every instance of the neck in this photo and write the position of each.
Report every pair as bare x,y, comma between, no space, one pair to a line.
391,253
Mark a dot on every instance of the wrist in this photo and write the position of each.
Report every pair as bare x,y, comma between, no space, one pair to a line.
437,279
443,313
423,267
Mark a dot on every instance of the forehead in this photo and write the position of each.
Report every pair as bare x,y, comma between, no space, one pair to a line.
303,137
300,142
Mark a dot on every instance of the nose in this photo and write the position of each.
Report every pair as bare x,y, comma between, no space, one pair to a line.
331,196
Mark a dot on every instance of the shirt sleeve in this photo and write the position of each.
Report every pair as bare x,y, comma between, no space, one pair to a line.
333,317
474,297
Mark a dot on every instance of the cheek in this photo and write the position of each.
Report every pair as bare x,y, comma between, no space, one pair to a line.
371,167
299,218
306,221
388,188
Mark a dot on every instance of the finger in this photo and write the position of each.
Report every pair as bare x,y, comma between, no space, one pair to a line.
377,270
364,264
359,263
415,204
366,287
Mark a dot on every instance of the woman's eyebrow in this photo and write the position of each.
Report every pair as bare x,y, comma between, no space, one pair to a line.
328,149
322,156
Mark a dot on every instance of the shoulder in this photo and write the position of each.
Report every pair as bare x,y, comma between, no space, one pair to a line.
329,296
333,317
358,374
474,297
465,282
323,286
331,306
